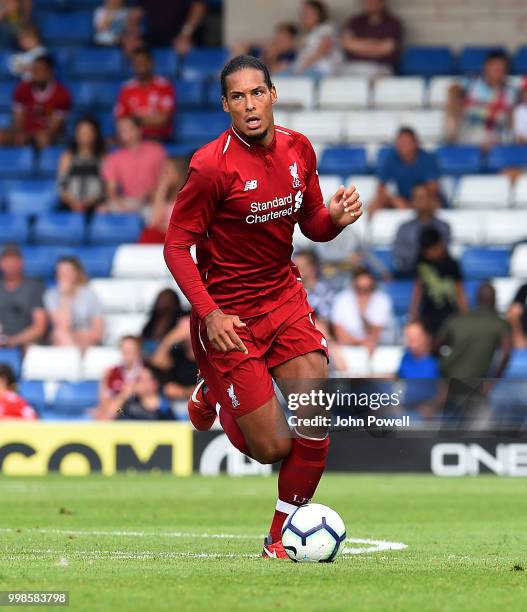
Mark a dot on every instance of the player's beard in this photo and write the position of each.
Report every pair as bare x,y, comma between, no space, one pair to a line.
256,138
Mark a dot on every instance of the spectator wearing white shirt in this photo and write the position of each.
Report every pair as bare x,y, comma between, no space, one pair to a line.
362,315
31,46
519,116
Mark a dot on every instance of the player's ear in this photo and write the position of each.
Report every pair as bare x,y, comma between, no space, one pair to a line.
224,104
274,95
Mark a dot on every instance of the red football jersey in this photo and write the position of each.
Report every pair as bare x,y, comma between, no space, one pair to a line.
141,100
244,201
12,406
40,105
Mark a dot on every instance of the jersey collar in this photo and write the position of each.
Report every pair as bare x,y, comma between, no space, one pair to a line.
254,148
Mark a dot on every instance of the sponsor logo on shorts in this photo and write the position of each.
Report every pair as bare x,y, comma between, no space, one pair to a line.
232,395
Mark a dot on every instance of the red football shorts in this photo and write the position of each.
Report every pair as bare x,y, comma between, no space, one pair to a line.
242,383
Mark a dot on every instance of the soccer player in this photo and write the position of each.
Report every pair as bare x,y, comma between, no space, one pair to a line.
250,321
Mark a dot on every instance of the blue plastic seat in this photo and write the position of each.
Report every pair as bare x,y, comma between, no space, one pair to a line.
6,95
97,63
82,93
166,62
107,123
179,150
33,392
66,28
456,160
400,292
13,228
59,228
472,58
427,61
40,261
97,260
30,197
519,61
75,397
479,263
200,128
114,229
203,62
189,94
471,287
517,366
48,161
13,358
5,73
16,162
213,95
105,94
344,161
507,156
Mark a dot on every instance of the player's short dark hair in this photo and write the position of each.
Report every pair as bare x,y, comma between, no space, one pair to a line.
320,8
429,237
46,59
7,374
242,62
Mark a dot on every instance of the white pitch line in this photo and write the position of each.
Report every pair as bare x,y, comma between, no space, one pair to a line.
372,545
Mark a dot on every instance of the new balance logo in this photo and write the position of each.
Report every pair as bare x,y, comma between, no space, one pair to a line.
232,395
250,185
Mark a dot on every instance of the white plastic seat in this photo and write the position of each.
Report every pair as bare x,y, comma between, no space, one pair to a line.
518,265
295,91
139,261
329,183
320,126
301,242
505,227
399,92
519,192
386,360
476,191
384,225
438,90
506,289
366,185
344,92
357,360
428,124
466,226
52,363
341,248
119,325
97,359
150,289
371,126
282,117
117,295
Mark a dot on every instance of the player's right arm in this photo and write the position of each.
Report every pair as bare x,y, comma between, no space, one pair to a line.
193,211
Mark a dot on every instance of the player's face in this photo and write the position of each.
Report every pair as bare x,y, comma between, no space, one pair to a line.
250,104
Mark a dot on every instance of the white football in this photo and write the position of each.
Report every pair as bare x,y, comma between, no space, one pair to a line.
313,533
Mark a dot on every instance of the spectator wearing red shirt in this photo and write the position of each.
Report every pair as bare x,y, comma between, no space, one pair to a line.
40,107
148,97
12,406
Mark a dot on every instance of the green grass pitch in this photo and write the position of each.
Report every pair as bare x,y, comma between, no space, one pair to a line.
154,542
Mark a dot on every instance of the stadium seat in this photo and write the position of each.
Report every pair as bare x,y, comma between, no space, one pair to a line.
519,61
119,325
96,260
13,358
475,191
518,261
113,229
457,160
6,96
371,126
39,261
97,359
343,161
472,58
438,90
139,261
96,63
301,242
105,94
213,95
428,124
62,228
342,93
399,92
386,360
506,289
384,225
166,62
427,61
5,72
33,392
466,226
329,183
479,263
200,62
71,28
83,95
16,162
189,94
357,361
519,192
400,292
366,186
517,366
117,295
31,197
505,227
200,127
74,397
180,150
319,126
48,161
13,228
341,248
283,118
384,257
295,92
507,156
107,122
52,363
150,289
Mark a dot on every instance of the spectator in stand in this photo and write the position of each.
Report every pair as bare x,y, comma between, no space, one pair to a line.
438,290
115,24
81,185
172,178
165,315
149,98
406,244
23,319
319,53
278,53
404,167
174,23
30,43
142,400
517,317
12,406
372,41
73,308
363,315
320,294
519,116
479,110
132,172
40,108
117,378
13,15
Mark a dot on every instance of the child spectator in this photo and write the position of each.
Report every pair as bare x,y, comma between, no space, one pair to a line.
73,308
519,116
12,406
115,24
438,290
79,176
20,64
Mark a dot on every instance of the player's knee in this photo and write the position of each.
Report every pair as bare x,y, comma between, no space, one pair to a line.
273,451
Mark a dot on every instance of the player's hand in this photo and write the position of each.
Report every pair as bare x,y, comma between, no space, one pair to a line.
221,333
345,206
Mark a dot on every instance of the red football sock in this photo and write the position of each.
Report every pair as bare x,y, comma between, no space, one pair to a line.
298,479
234,433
